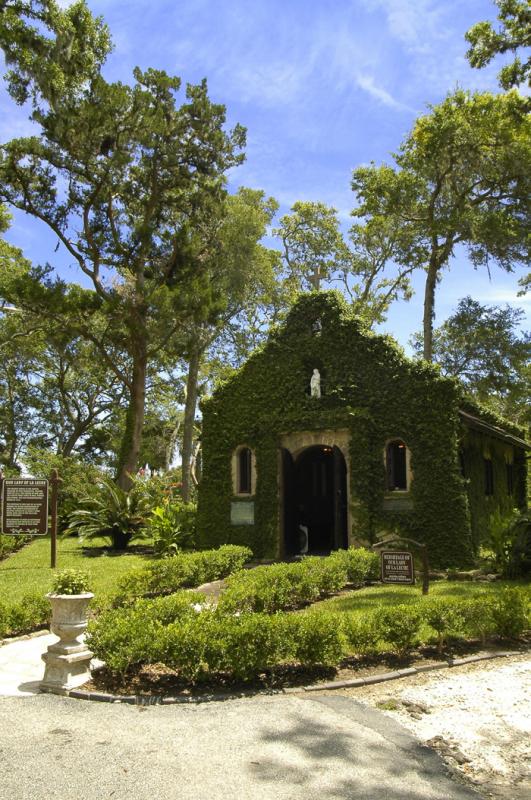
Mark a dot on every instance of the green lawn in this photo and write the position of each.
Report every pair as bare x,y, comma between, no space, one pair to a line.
29,570
362,600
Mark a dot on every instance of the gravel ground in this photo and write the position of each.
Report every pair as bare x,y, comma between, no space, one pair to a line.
478,717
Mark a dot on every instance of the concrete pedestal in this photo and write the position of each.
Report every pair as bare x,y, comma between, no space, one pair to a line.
68,660
65,671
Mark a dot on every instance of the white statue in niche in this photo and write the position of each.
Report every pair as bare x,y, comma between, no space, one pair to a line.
315,384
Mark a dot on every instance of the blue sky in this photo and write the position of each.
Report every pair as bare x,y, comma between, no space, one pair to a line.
321,86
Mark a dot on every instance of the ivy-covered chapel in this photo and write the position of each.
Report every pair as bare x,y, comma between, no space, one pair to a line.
329,436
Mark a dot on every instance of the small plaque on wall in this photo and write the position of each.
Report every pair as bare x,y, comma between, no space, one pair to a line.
397,502
242,513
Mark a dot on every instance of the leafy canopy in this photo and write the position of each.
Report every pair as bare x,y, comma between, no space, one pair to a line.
461,177
513,36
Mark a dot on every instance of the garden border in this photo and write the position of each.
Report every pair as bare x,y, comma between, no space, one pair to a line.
149,700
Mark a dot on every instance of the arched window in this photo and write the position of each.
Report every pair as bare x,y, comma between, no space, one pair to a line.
397,466
243,471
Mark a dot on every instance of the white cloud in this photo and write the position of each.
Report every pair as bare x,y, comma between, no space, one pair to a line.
413,22
366,82
499,294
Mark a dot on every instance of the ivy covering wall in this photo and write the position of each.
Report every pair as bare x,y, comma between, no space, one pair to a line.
369,387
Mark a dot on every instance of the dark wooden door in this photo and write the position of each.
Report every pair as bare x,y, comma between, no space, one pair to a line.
340,500
290,543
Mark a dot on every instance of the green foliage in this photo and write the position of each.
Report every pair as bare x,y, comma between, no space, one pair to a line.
490,513
185,633
513,36
445,616
71,581
173,526
400,626
184,569
362,565
51,50
447,189
143,178
279,587
10,544
510,613
31,612
317,639
520,535
202,643
484,347
362,634
501,537
76,478
125,636
370,390
109,511
314,252
477,617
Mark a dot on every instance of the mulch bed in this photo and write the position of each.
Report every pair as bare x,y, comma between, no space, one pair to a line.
107,550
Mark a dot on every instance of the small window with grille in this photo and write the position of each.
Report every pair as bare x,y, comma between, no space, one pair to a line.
397,466
510,478
243,471
489,476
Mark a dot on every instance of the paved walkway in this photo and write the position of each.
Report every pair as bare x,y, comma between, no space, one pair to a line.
281,747
21,666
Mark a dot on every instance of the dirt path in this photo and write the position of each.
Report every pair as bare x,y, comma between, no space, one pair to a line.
477,716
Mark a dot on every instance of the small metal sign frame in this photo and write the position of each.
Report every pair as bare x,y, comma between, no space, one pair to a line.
397,566
24,506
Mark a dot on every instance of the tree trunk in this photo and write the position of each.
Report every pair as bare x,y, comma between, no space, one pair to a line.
132,436
189,420
67,447
429,308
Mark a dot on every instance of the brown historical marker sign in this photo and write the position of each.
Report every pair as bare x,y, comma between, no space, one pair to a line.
24,506
397,566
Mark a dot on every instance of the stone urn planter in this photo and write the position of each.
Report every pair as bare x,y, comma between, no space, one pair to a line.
68,660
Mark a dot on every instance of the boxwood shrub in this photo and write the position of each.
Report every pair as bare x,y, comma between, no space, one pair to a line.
280,587
185,633
131,634
33,611
181,570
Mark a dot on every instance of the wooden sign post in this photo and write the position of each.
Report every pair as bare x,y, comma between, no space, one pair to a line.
25,508
55,480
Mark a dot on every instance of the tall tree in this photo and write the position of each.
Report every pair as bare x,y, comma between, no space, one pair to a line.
315,252
461,177
50,50
485,348
245,273
21,349
513,35
312,244
124,177
77,390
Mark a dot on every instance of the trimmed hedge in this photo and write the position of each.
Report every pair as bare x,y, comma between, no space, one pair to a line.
32,612
280,587
10,544
180,571
184,633
128,635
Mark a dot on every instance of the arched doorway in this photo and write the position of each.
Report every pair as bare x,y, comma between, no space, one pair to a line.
314,500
